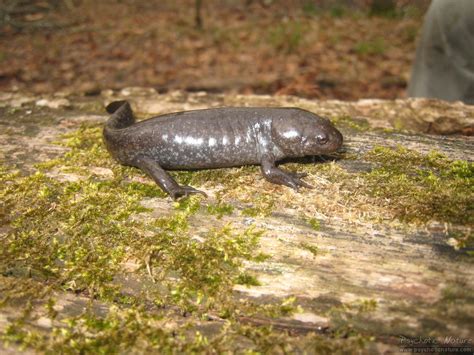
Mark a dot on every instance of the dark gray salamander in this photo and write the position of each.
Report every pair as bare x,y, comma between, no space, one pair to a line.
217,138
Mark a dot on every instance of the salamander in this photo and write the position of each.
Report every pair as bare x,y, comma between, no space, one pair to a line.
217,138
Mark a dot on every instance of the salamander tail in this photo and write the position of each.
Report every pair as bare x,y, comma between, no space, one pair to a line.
122,114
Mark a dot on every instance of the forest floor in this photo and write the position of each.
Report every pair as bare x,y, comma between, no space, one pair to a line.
262,47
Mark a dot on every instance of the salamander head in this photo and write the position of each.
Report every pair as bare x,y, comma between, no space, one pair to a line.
303,133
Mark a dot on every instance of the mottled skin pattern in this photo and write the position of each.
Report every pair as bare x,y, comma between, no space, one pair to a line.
217,138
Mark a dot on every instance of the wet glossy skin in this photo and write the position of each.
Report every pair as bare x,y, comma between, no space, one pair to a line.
217,138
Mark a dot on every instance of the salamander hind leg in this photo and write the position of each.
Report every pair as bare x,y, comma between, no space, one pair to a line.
163,179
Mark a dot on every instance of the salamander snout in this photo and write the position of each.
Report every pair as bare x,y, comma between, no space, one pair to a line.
333,140
325,139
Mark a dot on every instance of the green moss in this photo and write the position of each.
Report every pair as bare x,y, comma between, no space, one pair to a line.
144,190
76,236
314,223
227,177
28,116
422,187
274,309
354,315
349,122
247,279
267,341
313,249
457,292
220,209
206,269
189,205
407,185
262,206
86,149
118,331
69,232
138,331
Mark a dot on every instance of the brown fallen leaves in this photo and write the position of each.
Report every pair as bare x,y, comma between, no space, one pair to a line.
285,47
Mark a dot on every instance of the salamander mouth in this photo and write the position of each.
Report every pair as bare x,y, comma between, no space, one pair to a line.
338,139
333,144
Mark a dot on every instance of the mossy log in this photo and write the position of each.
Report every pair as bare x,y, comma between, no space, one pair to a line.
378,253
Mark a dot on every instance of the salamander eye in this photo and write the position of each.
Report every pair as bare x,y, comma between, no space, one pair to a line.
322,138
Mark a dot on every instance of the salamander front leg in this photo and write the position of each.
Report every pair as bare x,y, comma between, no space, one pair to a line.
281,177
164,180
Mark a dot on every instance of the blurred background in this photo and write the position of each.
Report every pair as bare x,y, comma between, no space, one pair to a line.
311,48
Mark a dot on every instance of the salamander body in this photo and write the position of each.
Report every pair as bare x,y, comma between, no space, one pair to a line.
217,138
